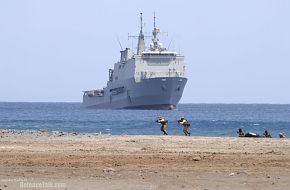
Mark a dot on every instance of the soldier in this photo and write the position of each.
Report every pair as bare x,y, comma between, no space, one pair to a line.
185,125
281,135
240,132
163,123
267,134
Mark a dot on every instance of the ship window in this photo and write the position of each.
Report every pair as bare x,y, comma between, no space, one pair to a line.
120,66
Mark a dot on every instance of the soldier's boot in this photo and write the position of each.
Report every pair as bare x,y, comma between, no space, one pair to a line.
185,132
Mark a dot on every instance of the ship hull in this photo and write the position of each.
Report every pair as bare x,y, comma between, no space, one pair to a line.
154,93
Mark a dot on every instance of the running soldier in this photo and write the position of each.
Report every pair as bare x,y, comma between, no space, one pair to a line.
185,125
163,123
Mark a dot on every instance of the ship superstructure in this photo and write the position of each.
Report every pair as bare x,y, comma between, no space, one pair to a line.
153,78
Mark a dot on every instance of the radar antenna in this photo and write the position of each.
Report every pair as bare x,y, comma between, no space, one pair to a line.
155,32
141,37
154,20
141,23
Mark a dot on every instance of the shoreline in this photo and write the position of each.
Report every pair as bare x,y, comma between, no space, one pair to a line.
39,132
143,161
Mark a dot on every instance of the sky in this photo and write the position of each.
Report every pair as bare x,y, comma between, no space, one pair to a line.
235,51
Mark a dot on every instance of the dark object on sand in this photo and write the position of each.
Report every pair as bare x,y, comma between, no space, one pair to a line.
249,134
163,123
281,135
267,134
185,125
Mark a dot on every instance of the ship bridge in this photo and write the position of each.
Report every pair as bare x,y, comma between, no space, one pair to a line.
157,61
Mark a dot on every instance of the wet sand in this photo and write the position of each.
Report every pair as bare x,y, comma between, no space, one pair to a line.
45,160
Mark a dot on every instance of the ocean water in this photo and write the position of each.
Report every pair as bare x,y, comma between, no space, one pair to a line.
205,119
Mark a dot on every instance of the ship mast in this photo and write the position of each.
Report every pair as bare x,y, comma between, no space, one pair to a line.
155,38
141,41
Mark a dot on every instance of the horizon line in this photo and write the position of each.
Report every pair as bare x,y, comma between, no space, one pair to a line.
245,103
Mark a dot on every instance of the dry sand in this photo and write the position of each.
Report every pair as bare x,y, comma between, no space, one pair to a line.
42,160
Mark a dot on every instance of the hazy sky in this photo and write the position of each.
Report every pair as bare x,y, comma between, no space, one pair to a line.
236,51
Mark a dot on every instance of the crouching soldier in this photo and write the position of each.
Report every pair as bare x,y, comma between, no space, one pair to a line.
267,134
281,135
163,123
185,125
240,132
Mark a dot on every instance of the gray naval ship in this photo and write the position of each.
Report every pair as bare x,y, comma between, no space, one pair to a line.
153,78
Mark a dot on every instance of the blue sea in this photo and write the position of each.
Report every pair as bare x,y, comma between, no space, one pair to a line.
205,119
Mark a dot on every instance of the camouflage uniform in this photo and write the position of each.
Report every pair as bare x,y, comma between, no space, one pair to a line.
240,132
163,123
281,135
267,134
185,125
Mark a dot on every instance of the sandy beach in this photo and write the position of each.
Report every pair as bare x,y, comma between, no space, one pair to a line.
55,160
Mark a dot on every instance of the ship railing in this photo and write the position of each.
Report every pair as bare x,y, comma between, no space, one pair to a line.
148,75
